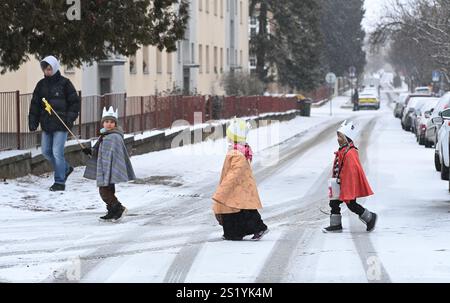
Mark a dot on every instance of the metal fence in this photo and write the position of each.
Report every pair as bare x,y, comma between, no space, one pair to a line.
136,114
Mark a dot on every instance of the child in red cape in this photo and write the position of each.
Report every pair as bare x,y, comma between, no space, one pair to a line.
352,179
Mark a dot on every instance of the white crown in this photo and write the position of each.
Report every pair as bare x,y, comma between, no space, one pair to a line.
110,112
348,129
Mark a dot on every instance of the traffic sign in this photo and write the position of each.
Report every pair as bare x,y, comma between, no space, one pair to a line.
330,78
352,72
436,76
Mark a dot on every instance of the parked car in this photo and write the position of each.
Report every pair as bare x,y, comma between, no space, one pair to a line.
408,98
400,104
368,99
432,129
423,114
409,112
420,103
372,90
423,90
441,155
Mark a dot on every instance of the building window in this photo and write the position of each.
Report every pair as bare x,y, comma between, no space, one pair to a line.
200,58
221,8
253,62
221,60
207,6
253,21
241,58
235,57
215,7
192,53
228,5
145,58
253,32
179,51
158,61
235,7
133,67
241,11
200,5
69,70
228,56
169,63
216,60
207,59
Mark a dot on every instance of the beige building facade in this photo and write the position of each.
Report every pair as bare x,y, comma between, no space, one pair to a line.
216,42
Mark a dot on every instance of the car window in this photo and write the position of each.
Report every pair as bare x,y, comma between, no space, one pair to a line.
402,98
413,102
443,103
430,105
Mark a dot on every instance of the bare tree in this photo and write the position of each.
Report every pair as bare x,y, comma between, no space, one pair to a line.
418,33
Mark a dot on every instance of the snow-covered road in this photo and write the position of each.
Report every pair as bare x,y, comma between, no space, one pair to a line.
170,234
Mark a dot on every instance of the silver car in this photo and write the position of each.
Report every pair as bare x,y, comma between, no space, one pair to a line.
432,129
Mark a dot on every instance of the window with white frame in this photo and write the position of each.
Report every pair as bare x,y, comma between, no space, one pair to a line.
169,63
145,60
200,58
133,67
207,59
158,61
216,60
221,60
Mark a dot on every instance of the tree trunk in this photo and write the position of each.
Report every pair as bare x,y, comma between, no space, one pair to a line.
262,36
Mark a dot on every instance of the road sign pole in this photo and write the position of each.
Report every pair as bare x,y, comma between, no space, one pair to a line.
331,80
331,100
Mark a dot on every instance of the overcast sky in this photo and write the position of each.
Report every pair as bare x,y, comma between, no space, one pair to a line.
374,10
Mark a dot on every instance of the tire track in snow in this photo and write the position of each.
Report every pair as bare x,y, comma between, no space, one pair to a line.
364,246
274,270
183,262
190,249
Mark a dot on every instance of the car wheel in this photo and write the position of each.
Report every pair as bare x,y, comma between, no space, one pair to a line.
449,185
437,162
421,140
444,172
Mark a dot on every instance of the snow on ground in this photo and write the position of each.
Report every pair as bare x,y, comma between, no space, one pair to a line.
410,243
11,153
37,222
182,167
170,234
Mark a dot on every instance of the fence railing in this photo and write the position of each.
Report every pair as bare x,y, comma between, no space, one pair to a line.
136,114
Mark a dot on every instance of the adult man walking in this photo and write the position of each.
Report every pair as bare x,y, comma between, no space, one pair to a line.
355,100
64,99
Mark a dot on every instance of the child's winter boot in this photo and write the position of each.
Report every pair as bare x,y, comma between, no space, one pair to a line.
109,215
258,236
370,219
335,224
119,212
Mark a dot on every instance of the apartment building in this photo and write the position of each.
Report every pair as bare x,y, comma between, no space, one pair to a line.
216,42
